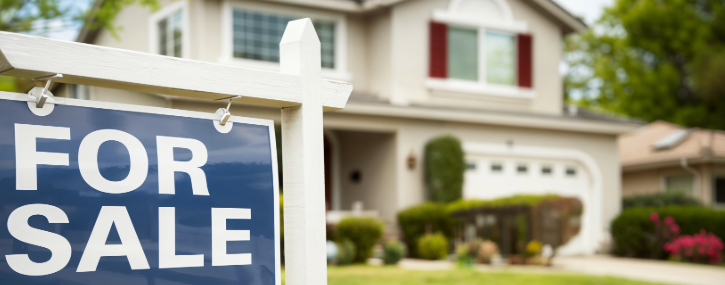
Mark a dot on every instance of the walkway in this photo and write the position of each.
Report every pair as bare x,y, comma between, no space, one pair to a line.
645,270
635,269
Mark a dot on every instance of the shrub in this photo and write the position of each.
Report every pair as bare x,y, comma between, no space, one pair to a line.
533,248
662,199
363,232
634,234
433,246
415,221
700,248
345,252
393,251
444,168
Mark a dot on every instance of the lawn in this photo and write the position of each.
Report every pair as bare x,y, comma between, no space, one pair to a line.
390,275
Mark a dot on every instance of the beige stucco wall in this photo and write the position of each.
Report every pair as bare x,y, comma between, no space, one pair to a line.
379,146
373,155
649,181
387,51
410,59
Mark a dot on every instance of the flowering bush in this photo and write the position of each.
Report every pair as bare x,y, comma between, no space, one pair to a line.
701,248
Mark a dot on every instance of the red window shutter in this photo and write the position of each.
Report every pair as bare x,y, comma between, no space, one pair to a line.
438,50
525,68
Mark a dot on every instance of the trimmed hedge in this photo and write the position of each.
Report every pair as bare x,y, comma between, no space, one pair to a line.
444,168
415,221
524,200
363,232
633,231
425,218
661,199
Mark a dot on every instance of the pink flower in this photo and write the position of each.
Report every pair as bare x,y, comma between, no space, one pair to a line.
655,218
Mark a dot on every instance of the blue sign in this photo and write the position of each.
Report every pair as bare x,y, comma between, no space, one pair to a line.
101,193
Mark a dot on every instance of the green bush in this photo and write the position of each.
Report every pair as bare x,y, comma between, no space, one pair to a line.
393,251
661,199
633,232
345,252
363,232
444,168
433,246
415,221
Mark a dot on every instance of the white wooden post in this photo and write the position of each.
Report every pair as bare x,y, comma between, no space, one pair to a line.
302,152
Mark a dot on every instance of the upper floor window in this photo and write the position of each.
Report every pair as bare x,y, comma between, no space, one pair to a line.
257,35
170,31
477,54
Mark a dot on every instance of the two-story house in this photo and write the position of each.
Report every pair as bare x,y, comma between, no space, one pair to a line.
485,71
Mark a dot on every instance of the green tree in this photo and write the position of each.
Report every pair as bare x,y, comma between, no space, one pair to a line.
41,17
652,59
444,167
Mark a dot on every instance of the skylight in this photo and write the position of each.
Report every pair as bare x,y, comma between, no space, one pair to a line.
672,140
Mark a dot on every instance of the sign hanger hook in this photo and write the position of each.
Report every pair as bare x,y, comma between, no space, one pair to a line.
225,115
40,101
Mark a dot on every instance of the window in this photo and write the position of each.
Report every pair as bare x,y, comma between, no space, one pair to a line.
257,35
462,53
79,92
546,170
679,183
522,169
170,33
471,166
500,58
719,191
496,167
459,53
571,171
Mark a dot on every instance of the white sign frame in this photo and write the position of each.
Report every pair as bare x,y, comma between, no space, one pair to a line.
298,89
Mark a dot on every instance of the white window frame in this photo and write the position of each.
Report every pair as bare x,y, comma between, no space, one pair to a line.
164,13
227,52
481,25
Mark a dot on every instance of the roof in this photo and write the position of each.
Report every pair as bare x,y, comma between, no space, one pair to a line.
581,120
661,143
568,21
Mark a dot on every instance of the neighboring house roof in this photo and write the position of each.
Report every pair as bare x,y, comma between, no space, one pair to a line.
662,144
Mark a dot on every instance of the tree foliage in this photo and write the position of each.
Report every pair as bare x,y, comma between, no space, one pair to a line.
652,59
42,17
444,167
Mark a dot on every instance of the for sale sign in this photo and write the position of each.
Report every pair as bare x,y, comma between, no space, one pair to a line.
101,193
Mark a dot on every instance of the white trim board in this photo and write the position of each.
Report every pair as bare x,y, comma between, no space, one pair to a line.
84,64
188,114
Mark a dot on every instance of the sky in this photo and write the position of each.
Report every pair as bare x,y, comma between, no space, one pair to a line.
589,10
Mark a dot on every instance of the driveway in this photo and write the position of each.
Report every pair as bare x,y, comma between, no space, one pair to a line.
642,269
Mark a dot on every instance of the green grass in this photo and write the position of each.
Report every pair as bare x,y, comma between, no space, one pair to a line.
390,275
